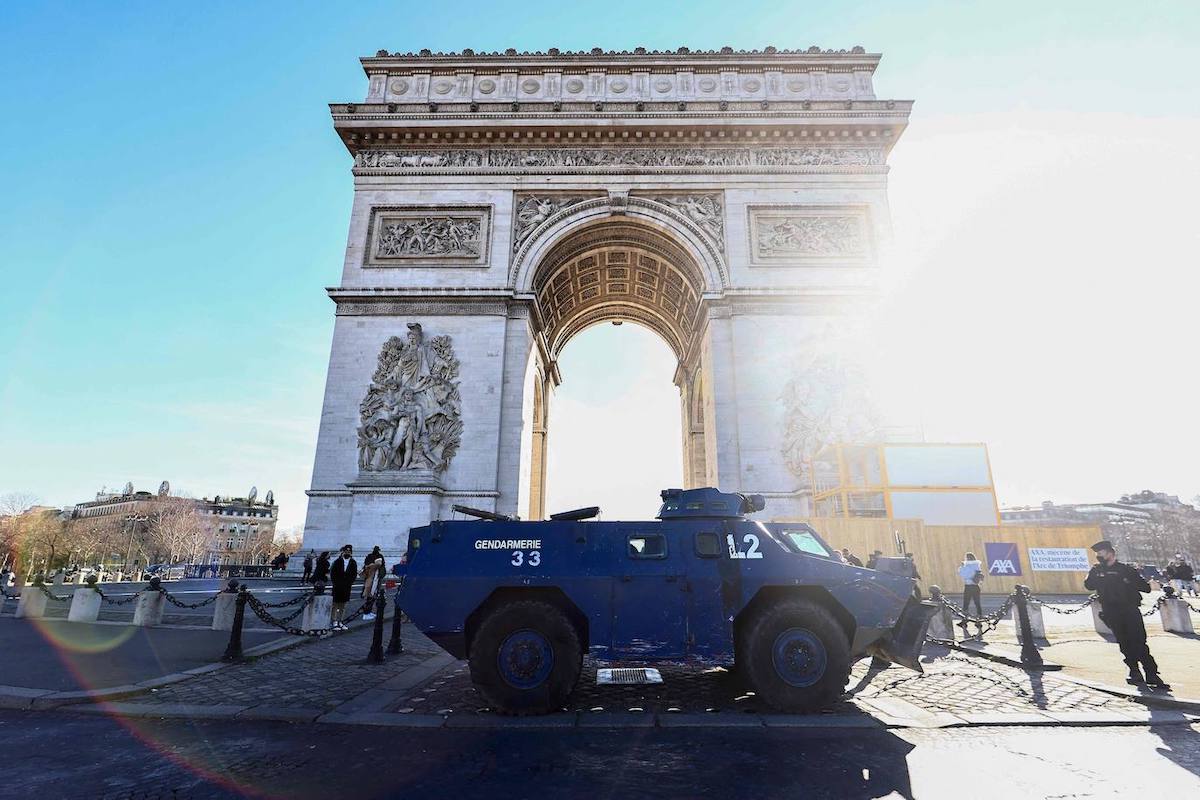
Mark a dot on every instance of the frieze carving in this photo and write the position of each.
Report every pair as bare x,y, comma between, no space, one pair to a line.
401,234
521,158
706,211
411,417
533,210
801,234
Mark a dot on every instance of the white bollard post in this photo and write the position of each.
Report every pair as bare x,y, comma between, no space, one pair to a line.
1098,623
1037,622
941,624
32,604
318,613
85,605
149,607
223,611
1175,616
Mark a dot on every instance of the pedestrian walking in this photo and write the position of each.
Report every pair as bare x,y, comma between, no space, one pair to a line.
1181,575
308,567
850,558
342,573
372,577
1120,589
971,572
321,573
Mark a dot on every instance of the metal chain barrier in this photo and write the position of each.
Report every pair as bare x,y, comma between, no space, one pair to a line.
1159,603
176,602
260,610
52,596
301,599
126,601
1046,605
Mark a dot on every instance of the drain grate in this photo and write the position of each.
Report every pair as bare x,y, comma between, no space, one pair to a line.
627,675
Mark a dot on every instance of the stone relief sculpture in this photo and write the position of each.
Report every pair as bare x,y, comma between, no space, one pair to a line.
704,210
807,235
597,157
411,417
440,236
533,210
824,402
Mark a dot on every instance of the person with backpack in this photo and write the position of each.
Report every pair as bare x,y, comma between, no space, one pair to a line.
971,572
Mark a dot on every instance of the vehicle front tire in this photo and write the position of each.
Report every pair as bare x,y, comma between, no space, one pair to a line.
526,658
796,656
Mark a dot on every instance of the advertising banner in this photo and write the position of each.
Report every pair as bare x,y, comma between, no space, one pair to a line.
1059,559
1002,558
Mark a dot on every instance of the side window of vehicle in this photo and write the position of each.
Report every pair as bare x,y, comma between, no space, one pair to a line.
708,544
647,545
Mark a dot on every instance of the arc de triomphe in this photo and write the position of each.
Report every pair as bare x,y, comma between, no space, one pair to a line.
732,202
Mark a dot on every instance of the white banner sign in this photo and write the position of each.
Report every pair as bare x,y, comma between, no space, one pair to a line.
1059,559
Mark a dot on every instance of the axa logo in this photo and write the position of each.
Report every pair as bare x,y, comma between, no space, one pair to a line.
1002,558
1003,566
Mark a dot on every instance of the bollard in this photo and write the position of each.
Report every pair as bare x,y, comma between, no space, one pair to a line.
1029,652
33,601
225,608
1100,625
941,624
1037,619
1175,617
148,608
318,611
85,605
233,651
395,645
375,656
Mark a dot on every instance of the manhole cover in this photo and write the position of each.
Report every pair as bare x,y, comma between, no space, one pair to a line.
627,675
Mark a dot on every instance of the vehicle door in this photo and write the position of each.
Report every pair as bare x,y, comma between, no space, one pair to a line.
649,606
712,588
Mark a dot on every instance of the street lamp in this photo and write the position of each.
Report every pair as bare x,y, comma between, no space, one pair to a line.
132,519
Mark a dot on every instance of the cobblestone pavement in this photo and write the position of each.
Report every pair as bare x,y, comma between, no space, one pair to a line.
321,674
952,682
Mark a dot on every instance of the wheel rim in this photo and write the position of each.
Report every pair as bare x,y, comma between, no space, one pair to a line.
799,657
525,659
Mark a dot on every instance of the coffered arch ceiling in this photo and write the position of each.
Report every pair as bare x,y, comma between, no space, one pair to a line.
619,270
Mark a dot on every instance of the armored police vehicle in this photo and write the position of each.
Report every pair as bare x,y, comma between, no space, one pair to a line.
525,602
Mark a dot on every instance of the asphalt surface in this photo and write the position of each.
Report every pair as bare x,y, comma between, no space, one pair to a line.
56,754
70,656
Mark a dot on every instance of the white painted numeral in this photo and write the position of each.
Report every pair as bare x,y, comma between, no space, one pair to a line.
518,558
749,539
535,558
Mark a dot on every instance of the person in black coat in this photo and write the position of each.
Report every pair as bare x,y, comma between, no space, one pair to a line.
321,573
1120,588
342,574
308,568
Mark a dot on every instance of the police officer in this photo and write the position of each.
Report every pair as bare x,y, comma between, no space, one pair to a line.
1120,588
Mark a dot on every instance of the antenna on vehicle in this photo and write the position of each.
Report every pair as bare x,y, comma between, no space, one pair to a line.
481,514
576,514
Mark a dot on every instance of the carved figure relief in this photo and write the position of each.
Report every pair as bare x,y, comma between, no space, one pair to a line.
807,233
704,210
416,233
533,210
411,417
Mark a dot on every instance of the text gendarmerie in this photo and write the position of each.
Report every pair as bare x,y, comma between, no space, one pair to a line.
508,544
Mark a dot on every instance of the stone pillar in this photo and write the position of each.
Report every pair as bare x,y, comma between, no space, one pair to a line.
223,611
1099,624
85,605
148,608
318,613
32,603
1175,617
1037,622
941,624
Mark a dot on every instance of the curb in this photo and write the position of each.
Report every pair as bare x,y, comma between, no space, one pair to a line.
1151,700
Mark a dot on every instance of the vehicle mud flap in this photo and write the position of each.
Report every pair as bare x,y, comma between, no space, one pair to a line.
903,645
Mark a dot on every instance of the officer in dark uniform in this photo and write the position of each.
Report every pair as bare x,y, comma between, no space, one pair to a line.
1120,588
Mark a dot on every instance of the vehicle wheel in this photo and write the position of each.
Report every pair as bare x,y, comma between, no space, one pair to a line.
796,656
526,658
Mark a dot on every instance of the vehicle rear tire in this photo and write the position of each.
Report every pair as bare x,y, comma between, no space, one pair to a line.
526,658
796,656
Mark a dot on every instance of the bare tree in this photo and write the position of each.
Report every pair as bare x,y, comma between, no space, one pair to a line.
94,538
45,533
14,504
174,526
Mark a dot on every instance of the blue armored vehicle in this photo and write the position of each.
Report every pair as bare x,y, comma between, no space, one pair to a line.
525,602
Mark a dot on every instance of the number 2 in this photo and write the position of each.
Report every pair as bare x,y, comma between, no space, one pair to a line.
749,539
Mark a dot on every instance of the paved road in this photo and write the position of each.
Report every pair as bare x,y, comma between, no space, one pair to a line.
54,754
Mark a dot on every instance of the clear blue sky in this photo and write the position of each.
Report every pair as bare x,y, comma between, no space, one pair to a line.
174,198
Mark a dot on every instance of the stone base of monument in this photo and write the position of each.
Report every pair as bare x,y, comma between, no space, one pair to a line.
148,609
1037,622
1098,623
941,624
318,613
1175,617
223,611
32,603
85,605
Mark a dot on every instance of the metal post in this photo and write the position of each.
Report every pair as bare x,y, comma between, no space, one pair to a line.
395,646
1030,656
233,652
376,654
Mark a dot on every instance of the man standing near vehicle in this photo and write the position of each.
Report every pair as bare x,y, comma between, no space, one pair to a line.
1120,589
342,575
